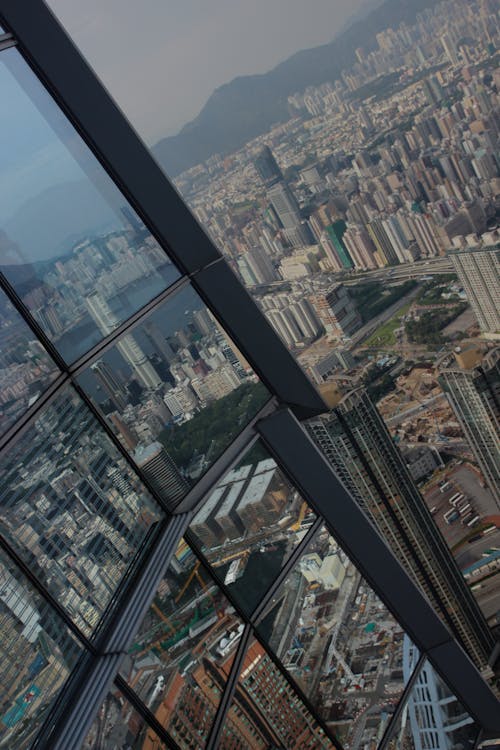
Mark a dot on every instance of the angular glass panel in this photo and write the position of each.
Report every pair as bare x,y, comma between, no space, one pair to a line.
339,642
73,509
183,652
267,713
432,716
69,242
118,726
176,391
250,524
25,367
38,654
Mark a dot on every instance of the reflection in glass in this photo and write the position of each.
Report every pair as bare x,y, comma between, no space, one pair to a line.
250,524
71,246
38,654
118,726
176,391
432,717
339,642
26,369
73,509
183,652
267,713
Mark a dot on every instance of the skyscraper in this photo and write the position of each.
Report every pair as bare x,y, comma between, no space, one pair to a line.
267,167
285,204
471,381
127,346
115,390
358,445
161,472
479,272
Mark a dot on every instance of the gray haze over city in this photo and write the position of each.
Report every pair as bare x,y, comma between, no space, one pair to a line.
178,53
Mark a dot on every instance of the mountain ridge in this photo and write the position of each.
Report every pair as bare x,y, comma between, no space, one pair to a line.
247,106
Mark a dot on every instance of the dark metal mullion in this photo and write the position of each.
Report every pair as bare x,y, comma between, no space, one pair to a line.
226,461
248,327
402,703
6,41
144,711
106,132
312,474
27,418
117,444
127,326
297,689
125,618
277,438
260,610
32,323
399,526
85,697
188,536
216,580
229,690
141,557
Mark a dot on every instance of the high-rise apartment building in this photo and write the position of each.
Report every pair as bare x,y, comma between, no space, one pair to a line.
337,311
479,272
164,476
282,624
471,381
358,445
285,204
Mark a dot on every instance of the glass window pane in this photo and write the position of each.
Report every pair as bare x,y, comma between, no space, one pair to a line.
266,712
118,726
38,654
69,242
183,652
338,641
25,367
433,717
250,524
73,509
176,391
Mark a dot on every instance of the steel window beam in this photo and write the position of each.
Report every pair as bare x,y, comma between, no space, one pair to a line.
310,471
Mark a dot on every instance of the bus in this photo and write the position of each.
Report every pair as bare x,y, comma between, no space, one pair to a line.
444,487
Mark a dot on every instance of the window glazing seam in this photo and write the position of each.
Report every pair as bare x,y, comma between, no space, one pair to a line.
392,726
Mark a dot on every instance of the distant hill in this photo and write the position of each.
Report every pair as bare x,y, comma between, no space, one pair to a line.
249,105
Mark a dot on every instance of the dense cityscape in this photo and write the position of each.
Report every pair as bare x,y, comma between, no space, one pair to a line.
366,227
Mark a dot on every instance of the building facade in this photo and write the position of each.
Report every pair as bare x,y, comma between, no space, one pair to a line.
358,445
471,381
479,272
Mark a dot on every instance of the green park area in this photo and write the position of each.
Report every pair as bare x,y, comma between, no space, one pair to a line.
384,335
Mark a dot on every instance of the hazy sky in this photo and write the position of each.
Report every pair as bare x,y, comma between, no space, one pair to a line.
161,59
